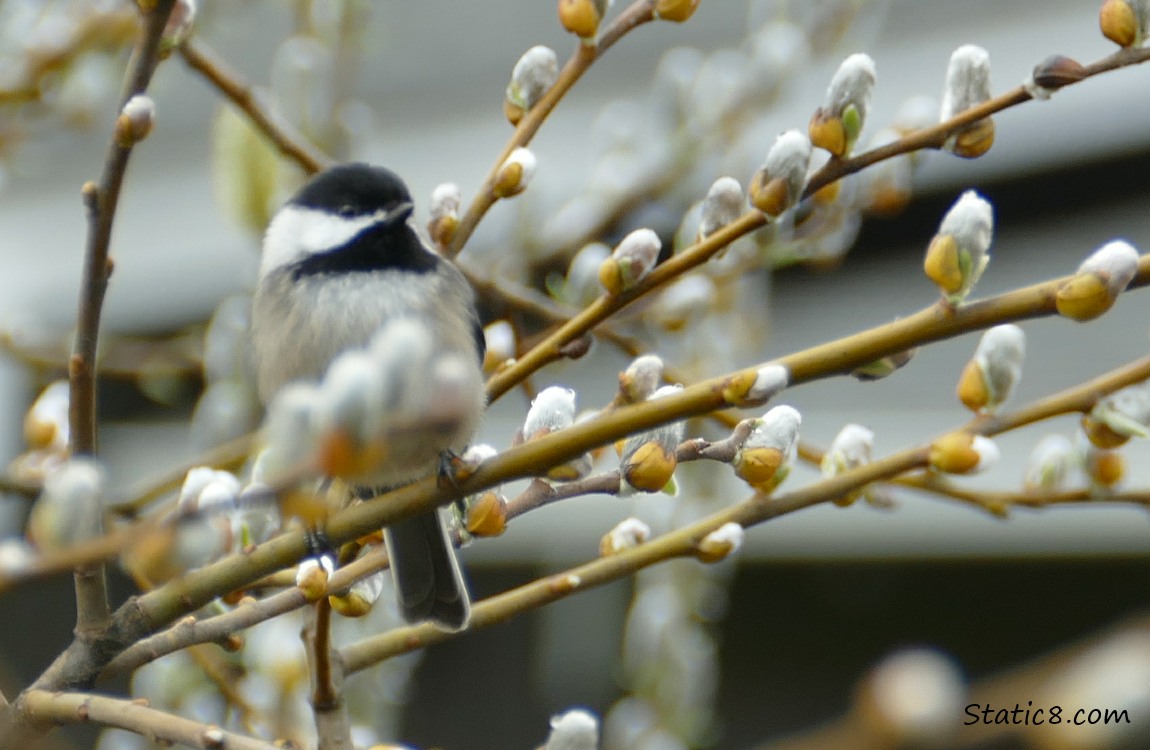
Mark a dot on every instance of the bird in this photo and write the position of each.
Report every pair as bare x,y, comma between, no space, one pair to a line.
342,259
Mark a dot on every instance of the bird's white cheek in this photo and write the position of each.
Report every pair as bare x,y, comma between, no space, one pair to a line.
296,232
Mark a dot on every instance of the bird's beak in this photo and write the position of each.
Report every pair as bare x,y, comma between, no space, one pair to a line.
398,215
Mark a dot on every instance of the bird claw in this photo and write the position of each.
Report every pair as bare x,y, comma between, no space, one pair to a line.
452,470
318,544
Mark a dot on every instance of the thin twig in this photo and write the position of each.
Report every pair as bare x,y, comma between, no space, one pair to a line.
931,324
218,671
601,309
101,199
551,348
229,456
936,136
282,134
133,716
637,14
758,509
250,612
999,502
332,728
85,554
11,485
100,28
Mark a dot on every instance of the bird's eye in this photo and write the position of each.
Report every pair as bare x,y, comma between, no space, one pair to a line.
346,211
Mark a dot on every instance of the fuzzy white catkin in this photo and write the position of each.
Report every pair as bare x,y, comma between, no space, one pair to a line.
916,692
967,80
534,74
552,409
641,246
1116,261
778,428
575,730
629,532
723,204
850,448
852,84
644,376
1000,354
971,222
446,200
790,158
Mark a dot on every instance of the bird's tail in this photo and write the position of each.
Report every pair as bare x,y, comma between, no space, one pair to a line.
427,576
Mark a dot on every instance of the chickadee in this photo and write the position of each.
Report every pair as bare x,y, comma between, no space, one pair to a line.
340,260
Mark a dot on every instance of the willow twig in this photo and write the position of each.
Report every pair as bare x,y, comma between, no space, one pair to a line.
332,728
551,348
999,502
101,198
936,136
230,456
601,309
637,14
290,142
133,716
757,509
156,609
250,612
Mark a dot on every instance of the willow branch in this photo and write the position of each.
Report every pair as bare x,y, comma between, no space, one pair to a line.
935,136
230,456
92,552
551,348
133,716
150,612
190,631
603,308
11,485
332,728
637,14
290,142
934,323
998,503
679,543
756,510
101,199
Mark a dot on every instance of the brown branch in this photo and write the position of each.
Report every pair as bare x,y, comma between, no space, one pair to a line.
92,552
679,543
229,456
250,612
935,136
154,610
758,509
24,488
221,674
101,199
999,502
332,728
282,134
134,716
551,348
637,14
100,28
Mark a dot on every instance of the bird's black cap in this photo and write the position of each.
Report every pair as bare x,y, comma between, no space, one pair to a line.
388,243
354,189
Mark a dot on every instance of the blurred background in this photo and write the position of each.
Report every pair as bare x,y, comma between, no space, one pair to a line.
778,643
